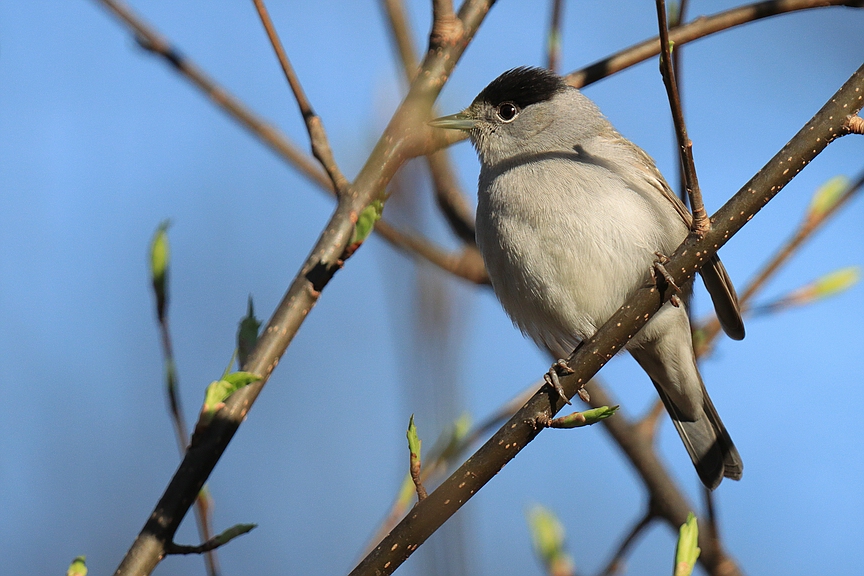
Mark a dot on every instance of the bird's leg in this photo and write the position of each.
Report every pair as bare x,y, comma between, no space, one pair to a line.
562,368
552,377
658,268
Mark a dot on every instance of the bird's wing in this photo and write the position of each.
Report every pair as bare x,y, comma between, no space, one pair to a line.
714,275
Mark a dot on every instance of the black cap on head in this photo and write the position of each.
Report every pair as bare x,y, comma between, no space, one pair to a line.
523,86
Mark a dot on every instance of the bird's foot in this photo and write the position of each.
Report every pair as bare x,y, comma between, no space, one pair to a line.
559,368
660,269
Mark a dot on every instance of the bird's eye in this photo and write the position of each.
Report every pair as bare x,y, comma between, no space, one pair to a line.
507,111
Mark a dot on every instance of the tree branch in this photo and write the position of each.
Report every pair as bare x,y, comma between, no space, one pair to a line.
806,229
467,264
700,222
153,42
523,427
614,565
449,195
212,543
553,39
698,28
405,136
317,135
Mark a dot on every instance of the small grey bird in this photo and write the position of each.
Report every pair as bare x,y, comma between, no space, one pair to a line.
571,218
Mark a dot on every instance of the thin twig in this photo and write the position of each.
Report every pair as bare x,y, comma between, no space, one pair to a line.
553,39
677,20
317,135
203,502
698,28
700,224
466,264
397,18
806,229
647,426
442,10
614,565
153,42
212,543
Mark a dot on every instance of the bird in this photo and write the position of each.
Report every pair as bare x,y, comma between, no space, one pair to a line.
571,219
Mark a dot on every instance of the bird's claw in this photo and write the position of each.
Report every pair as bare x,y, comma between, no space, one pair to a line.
552,377
658,268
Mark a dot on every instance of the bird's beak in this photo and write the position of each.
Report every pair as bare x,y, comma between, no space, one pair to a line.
459,121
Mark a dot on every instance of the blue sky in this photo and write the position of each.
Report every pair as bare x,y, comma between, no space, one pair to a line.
99,142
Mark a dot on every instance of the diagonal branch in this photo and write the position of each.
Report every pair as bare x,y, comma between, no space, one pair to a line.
318,137
523,427
805,231
405,136
698,28
614,565
152,41
156,44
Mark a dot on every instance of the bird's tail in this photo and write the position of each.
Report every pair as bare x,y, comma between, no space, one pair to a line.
707,441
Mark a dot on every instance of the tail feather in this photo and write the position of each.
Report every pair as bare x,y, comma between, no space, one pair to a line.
724,297
707,441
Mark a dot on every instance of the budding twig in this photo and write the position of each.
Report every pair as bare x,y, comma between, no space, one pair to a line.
212,543
317,136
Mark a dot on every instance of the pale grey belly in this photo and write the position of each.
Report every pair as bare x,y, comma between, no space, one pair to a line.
561,273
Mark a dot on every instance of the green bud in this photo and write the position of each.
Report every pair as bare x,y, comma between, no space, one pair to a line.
366,221
233,532
160,257
836,282
414,442
78,567
827,196
218,392
247,334
687,551
547,538
584,418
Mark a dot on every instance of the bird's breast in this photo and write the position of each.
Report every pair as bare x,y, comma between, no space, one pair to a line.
564,244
